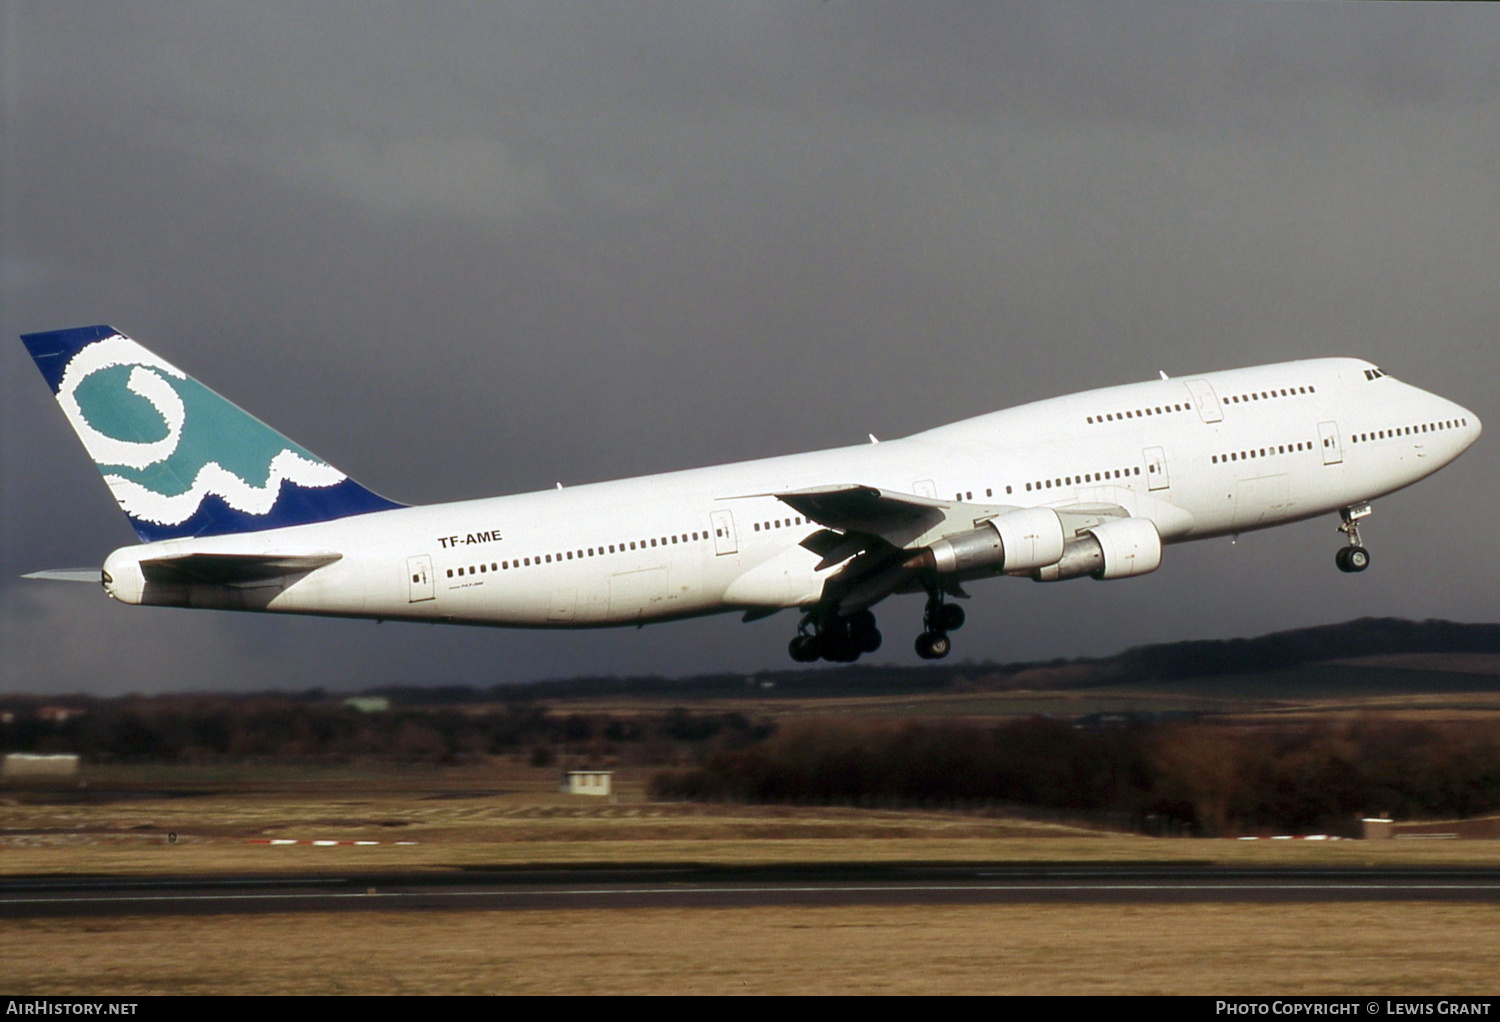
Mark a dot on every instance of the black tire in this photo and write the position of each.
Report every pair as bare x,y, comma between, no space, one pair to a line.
842,652
933,645
862,631
951,617
1352,559
838,644
804,649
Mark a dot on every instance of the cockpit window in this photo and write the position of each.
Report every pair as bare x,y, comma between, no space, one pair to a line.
1373,374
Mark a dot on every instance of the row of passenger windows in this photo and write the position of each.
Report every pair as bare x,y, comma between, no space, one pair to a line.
1263,452
1233,399
1425,427
1138,413
1267,395
1087,477
779,523
572,555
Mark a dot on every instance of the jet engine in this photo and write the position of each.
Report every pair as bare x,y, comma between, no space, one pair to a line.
1116,549
1015,541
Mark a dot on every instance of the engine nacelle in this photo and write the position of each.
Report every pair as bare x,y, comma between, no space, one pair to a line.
1015,541
1117,549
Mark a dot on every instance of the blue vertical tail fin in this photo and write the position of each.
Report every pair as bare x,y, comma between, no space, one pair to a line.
180,459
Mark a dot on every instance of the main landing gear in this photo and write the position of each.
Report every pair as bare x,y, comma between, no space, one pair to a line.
823,635
938,620
1354,557
839,639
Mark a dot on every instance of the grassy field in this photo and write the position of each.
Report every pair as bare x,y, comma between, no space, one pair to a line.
511,814
119,820
1360,950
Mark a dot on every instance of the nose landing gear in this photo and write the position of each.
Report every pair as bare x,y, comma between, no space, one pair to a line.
1354,557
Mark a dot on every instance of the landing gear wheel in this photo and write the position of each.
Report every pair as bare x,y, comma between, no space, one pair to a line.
951,617
804,649
841,651
1352,559
862,631
933,645
837,643
840,640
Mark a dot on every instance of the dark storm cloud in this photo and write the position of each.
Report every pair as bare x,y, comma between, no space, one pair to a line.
461,250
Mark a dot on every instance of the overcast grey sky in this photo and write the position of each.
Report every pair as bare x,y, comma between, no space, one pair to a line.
468,249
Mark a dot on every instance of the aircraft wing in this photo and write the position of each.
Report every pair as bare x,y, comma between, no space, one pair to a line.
904,518
856,508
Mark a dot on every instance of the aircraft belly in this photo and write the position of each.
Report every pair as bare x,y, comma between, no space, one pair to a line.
1261,500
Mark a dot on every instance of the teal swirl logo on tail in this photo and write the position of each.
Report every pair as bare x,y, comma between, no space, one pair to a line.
179,459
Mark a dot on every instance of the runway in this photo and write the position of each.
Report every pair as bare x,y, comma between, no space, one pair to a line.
703,887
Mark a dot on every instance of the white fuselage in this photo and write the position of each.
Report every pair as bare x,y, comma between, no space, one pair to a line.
1209,455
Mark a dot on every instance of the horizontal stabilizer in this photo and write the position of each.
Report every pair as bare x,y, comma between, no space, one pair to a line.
66,575
230,569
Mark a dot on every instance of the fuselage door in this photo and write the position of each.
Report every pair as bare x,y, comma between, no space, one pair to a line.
1333,451
419,570
1205,400
724,538
1156,468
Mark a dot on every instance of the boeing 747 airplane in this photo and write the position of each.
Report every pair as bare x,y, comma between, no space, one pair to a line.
232,515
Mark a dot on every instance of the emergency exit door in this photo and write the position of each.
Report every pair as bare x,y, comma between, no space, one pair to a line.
419,570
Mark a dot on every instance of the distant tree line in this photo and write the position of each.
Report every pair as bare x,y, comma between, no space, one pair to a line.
1166,661
1161,662
1280,650
198,728
1204,779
